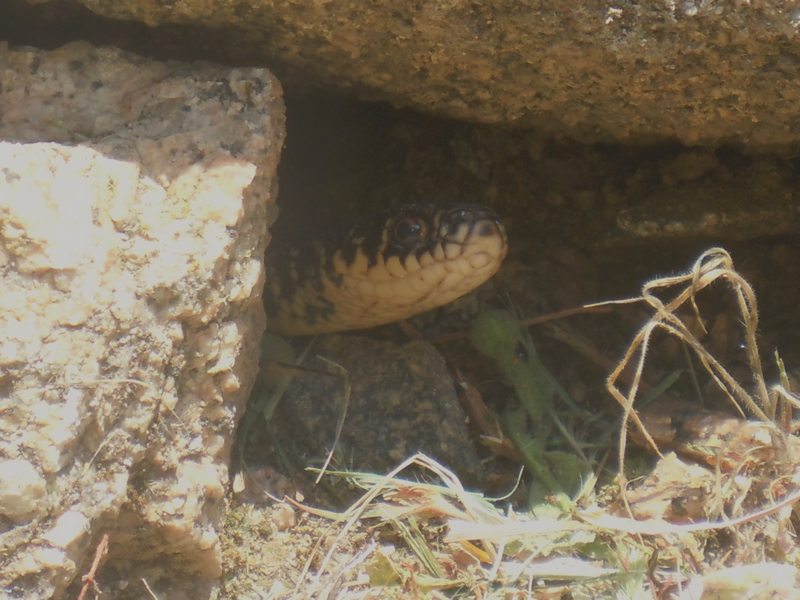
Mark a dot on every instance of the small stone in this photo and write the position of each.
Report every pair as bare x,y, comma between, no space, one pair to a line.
402,401
283,518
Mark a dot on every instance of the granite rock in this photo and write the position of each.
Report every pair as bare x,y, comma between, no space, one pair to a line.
710,72
134,202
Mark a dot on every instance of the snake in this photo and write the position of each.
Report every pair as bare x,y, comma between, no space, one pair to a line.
389,266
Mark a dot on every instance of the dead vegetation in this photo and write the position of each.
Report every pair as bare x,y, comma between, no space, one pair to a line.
713,517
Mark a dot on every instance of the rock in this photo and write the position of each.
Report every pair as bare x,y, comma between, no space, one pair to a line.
758,200
760,580
22,487
706,72
134,198
402,400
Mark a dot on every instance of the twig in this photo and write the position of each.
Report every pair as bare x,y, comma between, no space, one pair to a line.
546,318
149,589
342,416
89,579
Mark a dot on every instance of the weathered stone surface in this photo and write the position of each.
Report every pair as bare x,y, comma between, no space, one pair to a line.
401,400
133,208
700,72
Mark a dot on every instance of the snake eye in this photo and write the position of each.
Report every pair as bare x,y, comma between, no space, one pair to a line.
408,231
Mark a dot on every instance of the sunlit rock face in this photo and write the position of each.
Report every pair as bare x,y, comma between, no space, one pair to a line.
134,198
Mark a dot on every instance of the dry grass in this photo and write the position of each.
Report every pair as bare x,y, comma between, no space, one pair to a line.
434,539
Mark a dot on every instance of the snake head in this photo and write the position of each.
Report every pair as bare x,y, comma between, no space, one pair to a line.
421,230
387,268
420,256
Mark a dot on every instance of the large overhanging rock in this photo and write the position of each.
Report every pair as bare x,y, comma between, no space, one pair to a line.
134,199
706,72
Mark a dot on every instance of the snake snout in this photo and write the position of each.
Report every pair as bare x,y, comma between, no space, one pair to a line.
482,221
476,231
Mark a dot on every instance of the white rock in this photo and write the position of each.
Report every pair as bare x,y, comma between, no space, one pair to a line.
22,487
134,196
69,527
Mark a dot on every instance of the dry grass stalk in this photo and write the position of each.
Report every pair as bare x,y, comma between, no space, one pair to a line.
714,265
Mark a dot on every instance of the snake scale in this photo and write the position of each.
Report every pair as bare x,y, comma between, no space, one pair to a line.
388,267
